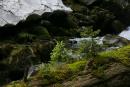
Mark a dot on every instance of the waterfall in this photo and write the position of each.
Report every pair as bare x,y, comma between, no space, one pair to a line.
32,70
125,33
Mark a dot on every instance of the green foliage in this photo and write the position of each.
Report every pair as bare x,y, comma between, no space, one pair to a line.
25,37
89,48
57,72
59,53
52,73
102,19
88,32
100,14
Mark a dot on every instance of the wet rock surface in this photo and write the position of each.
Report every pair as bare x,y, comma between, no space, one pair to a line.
109,40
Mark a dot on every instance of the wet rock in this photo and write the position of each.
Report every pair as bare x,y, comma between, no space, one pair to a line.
116,41
107,42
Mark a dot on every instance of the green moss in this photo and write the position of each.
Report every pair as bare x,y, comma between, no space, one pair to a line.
77,66
99,72
58,72
41,32
52,73
17,84
122,55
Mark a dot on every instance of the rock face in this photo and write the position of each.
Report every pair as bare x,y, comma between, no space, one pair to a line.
13,11
21,57
117,75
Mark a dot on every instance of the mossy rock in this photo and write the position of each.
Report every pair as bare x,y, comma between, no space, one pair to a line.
117,26
17,84
24,37
41,32
122,55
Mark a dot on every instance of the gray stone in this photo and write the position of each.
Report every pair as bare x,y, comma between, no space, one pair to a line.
116,41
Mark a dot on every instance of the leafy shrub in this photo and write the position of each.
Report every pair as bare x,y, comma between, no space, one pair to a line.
89,48
52,73
88,32
59,53
103,19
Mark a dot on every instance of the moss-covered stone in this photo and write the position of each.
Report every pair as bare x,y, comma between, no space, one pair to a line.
41,32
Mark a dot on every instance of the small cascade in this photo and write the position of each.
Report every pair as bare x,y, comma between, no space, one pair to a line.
32,70
125,33
76,41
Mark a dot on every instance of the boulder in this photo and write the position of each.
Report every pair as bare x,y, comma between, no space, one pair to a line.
113,40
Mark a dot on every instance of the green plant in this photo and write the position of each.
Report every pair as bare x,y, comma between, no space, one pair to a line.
53,73
57,72
88,32
59,53
89,48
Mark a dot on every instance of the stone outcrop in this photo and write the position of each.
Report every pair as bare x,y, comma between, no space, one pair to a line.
13,11
117,75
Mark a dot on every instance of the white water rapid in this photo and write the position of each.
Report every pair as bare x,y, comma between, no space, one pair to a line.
125,33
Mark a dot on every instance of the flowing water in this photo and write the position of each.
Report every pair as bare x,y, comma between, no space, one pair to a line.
125,33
